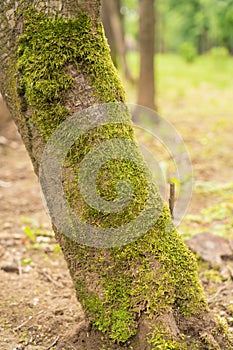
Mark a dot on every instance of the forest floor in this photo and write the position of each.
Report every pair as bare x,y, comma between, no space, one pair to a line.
38,307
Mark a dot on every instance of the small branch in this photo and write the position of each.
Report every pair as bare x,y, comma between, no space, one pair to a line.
172,198
54,343
50,279
220,290
23,324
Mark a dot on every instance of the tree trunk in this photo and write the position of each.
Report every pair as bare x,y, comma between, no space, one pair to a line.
140,295
146,87
114,30
108,31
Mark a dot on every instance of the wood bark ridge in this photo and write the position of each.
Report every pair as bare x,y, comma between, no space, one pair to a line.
144,295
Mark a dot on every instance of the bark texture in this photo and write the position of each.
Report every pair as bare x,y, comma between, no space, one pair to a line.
143,295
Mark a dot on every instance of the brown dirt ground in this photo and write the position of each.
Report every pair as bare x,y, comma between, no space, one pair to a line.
38,308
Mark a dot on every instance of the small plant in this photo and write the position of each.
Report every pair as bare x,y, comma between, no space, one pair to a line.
30,233
188,52
26,261
160,340
38,237
219,53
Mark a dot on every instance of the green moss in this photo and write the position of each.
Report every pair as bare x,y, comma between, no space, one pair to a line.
46,48
118,321
150,275
161,339
223,330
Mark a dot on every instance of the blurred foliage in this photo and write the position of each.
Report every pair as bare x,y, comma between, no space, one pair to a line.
129,10
196,98
204,23
188,52
176,77
219,54
201,23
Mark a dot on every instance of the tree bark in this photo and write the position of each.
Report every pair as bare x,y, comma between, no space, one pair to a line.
141,295
109,31
146,85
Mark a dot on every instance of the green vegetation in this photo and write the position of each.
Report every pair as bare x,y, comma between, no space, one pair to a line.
188,52
195,98
38,237
176,77
161,339
201,23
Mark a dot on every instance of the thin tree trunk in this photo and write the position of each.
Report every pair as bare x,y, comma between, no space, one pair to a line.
109,31
146,85
114,28
142,295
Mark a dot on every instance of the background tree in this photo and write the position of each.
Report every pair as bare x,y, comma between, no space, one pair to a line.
146,85
142,295
113,22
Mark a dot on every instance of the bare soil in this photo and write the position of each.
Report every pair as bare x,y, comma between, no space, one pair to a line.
38,307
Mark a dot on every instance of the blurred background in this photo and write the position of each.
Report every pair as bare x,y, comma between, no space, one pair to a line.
175,57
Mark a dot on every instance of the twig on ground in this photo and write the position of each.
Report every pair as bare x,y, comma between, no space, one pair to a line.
19,266
221,289
50,279
54,343
26,321
22,324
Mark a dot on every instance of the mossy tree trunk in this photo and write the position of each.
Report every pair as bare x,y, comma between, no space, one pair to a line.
143,295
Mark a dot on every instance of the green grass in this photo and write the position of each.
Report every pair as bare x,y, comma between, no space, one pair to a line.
173,72
216,217
174,75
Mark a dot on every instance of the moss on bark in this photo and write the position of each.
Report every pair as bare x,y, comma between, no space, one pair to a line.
46,48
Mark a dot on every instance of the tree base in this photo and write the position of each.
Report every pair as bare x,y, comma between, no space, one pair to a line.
170,333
